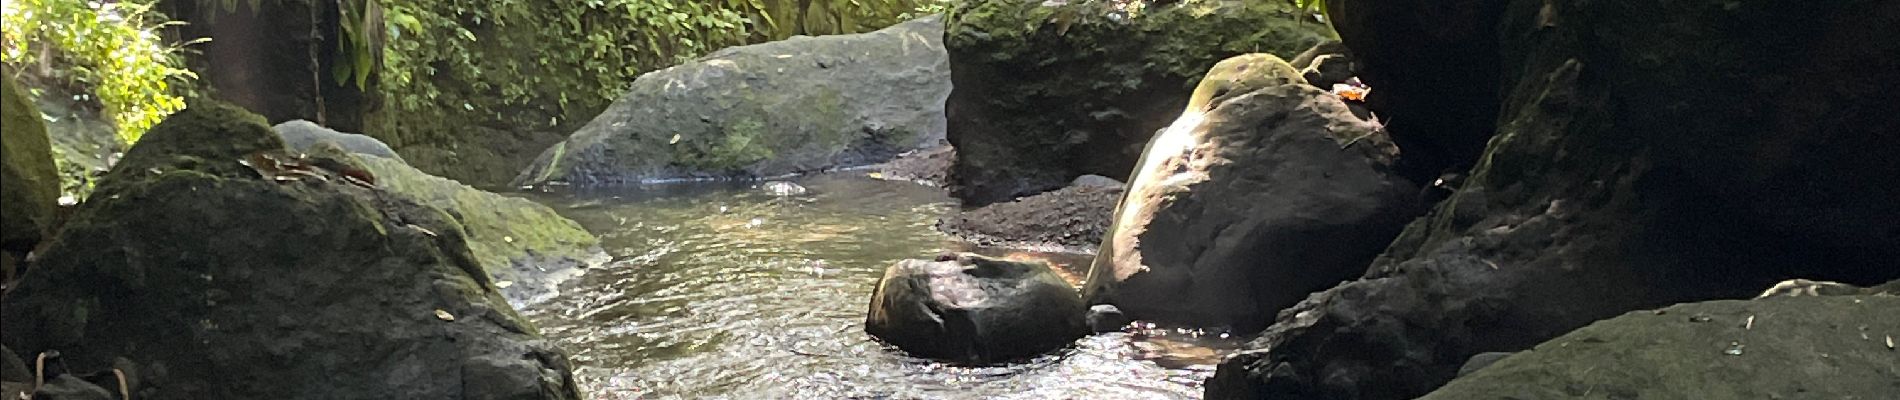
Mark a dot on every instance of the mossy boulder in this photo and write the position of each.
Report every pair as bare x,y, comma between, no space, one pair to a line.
797,105
223,279
1648,153
525,246
1046,92
26,166
1776,348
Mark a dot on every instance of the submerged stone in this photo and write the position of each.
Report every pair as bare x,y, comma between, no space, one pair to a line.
974,309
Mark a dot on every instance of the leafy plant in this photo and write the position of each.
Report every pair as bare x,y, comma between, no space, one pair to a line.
450,60
110,49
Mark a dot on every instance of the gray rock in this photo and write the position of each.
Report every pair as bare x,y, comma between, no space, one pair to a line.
1785,347
1279,192
1480,361
307,288
974,309
301,135
1096,181
783,188
797,105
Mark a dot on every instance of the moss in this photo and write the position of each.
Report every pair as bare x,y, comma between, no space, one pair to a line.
31,179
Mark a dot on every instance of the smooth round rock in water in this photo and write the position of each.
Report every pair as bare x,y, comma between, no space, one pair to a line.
974,309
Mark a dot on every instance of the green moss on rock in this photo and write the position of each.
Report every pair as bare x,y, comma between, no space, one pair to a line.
185,258
26,166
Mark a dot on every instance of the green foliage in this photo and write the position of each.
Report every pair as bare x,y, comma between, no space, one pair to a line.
110,49
570,58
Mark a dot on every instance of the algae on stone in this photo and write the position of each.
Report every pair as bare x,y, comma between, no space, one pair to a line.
26,166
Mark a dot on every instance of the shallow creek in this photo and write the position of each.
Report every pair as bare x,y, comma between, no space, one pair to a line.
723,290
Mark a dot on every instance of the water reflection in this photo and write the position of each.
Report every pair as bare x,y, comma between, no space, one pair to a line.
724,290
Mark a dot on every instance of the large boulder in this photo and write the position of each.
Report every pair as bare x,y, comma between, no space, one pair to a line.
26,166
1048,91
1608,190
227,268
1801,347
975,309
525,246
1240,211
798,105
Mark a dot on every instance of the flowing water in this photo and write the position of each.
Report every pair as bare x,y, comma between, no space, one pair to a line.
725,290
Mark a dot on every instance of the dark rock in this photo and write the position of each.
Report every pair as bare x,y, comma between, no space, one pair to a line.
975,309
228,285
1601,195
26,166
1074,218
929,166
301,135
278,61
1045,92
797,105
12,367
1106,318
1807,347
69,387
1277,192
85,143
1478,362
1433,68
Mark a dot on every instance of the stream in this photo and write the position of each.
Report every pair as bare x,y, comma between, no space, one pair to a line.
724,290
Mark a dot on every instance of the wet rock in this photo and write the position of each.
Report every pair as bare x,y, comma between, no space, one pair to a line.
1806,347
300,135
1106,318
974,309
26,165
85,144
1075,218
229,285
1595,199
1277,192
797,105
929,166
1047,91
783,188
